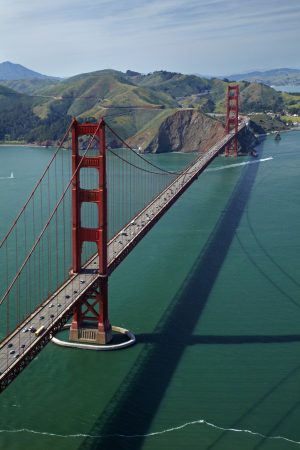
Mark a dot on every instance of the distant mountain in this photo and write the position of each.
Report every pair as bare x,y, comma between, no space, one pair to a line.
273,77
11,71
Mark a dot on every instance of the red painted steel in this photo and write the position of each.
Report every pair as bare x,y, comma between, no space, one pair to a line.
96,301
232,118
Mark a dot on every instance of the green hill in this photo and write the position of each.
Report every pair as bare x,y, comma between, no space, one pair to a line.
259,97
29,86
16,115
174,84
18,121
38,110
292,102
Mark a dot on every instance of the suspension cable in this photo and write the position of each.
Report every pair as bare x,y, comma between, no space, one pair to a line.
140,168
141,157
50,218
36,186
163,172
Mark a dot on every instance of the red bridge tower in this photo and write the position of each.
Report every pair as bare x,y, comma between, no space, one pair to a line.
90,322
232,118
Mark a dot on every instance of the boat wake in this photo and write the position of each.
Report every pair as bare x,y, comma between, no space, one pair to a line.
8,178
155,433
229,166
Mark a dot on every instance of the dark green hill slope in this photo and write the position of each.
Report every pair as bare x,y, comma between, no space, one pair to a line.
19,122
16,116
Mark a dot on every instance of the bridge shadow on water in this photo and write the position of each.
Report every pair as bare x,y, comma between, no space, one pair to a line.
136,403
222,339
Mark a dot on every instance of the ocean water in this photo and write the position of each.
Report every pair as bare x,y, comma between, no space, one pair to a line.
212,295
286,88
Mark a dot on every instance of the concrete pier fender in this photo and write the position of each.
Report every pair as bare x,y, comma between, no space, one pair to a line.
108,347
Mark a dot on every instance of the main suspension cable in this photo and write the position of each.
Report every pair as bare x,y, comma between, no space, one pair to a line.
141,157
141,168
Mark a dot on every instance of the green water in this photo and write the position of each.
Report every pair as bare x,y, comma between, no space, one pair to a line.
212,295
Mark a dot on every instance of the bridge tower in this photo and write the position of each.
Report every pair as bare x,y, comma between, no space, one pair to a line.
90,321
232,118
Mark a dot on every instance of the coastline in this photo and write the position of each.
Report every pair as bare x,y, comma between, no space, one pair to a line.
29,145
276,131
35,145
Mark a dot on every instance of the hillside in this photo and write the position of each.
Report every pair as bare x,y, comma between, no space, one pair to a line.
264,123
30,86
147,133
259,97
174,84
274,77
11,71
100,93
127,106
292,102
19,122
16,116
132,103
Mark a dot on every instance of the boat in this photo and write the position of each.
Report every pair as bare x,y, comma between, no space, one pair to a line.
277,136
11,175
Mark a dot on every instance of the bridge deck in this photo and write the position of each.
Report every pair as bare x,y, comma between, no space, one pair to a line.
21,346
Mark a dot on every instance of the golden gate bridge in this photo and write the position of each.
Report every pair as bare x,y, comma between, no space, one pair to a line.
80,222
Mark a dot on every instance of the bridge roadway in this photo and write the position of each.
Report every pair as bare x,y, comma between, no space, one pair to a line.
21,346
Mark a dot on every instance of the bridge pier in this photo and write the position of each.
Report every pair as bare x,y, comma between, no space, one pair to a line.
90,322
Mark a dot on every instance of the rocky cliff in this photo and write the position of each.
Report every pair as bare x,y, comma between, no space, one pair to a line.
186,131
190,130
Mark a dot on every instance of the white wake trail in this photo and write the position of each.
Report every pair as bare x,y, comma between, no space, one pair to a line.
229,166
11,177
155,433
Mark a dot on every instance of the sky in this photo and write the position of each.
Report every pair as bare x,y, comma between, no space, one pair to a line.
211,37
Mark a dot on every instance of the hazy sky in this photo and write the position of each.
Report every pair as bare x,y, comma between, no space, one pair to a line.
67,37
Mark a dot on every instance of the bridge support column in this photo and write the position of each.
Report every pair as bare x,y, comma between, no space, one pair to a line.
104,334
90,322
232,118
